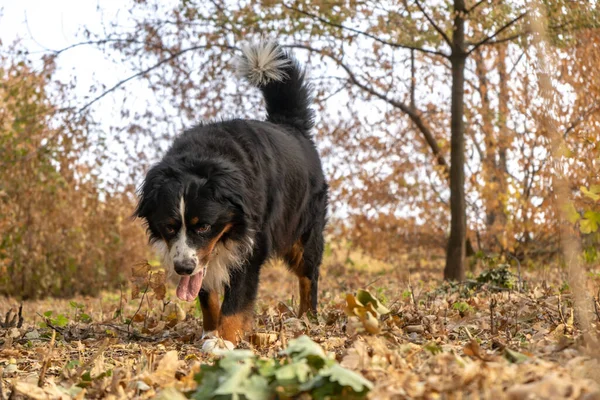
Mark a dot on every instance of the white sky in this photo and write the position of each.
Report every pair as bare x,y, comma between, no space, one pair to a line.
45,26
53,25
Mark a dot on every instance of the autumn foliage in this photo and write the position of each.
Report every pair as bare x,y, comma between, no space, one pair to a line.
61,233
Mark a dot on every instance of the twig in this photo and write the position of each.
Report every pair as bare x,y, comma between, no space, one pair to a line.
597,305
520,281
49,324
1,386
138,310
172,57
11,319
132,335
437,28
492,319
412,296
561,314
499,31
480,2
468,332
89,362
415,116
366,34
46,362
13,393
373,281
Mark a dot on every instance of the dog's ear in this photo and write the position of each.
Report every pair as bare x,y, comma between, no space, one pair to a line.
149,191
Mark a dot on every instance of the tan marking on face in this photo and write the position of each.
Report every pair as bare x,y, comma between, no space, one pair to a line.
204,253
194,221
211,312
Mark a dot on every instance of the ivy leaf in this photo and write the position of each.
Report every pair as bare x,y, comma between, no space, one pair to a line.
85,318
257,388
268,367
208,382
571,213
293,373
592,194
514,356
346,377
590,222
303,347
366,298
61,321
233,383
233,357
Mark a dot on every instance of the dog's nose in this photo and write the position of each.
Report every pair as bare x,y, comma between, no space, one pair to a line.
185,267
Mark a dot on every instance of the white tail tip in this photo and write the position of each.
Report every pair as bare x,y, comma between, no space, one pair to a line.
262,63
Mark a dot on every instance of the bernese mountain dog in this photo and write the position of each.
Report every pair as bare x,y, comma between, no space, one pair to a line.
230,195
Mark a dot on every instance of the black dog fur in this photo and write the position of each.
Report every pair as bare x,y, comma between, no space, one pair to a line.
258,186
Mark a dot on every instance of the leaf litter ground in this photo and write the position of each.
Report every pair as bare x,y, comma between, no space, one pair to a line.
409,334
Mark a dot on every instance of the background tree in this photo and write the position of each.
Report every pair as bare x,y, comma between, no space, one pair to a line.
415,66
61,231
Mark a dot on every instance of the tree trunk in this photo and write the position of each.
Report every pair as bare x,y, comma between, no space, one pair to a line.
455,255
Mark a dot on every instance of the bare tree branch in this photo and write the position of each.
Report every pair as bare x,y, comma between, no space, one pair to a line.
499,31
437,28
145,71
413,114
595,106
118,85
508,38
94,42
474,6
366,34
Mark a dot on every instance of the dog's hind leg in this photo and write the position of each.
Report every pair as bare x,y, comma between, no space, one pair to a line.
304,260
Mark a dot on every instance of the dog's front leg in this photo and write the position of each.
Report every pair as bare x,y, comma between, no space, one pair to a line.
238,303
211,310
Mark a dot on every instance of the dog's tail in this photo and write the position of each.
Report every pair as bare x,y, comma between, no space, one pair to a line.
282,81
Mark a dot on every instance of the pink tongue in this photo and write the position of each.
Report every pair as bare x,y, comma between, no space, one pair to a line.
189,287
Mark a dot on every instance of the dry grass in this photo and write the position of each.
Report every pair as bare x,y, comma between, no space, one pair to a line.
437,341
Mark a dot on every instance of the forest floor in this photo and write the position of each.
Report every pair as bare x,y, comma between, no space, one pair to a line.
438,341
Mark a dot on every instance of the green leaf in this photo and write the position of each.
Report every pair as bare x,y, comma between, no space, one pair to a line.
345,377
434,348
85,318
86,377
514,356
257,388
590,222
75,304
233,357
208,382
571,213
233,382
296,372
60,321
48,314
302,347
365,298
267,368
592,194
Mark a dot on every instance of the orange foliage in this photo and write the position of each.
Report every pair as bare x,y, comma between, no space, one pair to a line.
60,233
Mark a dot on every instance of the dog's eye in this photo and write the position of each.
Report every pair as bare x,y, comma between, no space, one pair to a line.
170,229
200,229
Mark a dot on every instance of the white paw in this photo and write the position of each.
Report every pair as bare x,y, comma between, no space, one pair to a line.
208,334
215,345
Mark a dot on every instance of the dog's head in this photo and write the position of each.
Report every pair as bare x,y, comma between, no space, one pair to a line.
191,212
